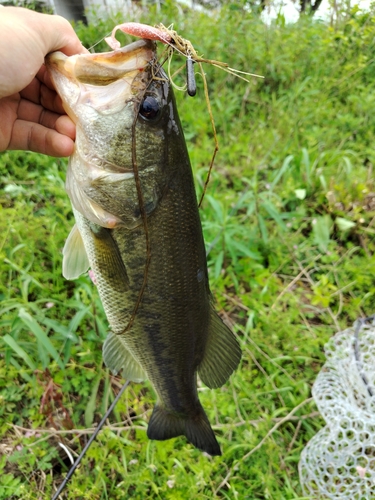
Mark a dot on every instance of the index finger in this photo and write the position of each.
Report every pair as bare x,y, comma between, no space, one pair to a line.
63,37
44,77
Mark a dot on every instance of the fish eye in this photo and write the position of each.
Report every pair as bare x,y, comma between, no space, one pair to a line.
149,108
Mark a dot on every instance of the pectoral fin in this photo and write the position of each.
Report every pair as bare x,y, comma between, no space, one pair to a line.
222,354
108,259
117,357
75,261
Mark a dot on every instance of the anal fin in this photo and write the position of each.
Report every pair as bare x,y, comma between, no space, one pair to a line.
118,359
222,354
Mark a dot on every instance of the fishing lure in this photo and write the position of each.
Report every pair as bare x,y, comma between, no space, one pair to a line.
170,37
176,43
139,30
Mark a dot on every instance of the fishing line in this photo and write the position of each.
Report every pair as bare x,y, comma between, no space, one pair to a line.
139,299
176,43
174,85
97,43
186,49
191,89
144,220
142,209
89,442
214,131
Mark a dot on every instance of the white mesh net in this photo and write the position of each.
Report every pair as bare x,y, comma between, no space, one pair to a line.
339,462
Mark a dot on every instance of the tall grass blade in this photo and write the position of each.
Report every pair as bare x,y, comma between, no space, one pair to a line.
19,351
77,318
41,336
263,228
21,370
283,169
274,213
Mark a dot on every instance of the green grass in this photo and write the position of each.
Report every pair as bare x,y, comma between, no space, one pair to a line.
288,222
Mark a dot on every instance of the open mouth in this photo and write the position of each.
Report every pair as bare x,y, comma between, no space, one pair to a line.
103,68
91,78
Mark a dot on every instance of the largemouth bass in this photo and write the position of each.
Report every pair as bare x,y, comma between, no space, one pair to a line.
128,131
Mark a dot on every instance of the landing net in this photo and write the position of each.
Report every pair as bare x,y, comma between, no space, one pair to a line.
339,462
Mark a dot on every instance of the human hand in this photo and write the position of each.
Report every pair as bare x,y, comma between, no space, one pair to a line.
31,113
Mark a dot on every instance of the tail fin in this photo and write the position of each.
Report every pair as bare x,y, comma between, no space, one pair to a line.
166,425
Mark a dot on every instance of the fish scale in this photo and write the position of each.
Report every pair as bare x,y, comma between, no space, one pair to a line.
176,333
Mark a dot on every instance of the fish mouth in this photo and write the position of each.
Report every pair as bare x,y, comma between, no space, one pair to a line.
100,93
105,81
103,68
